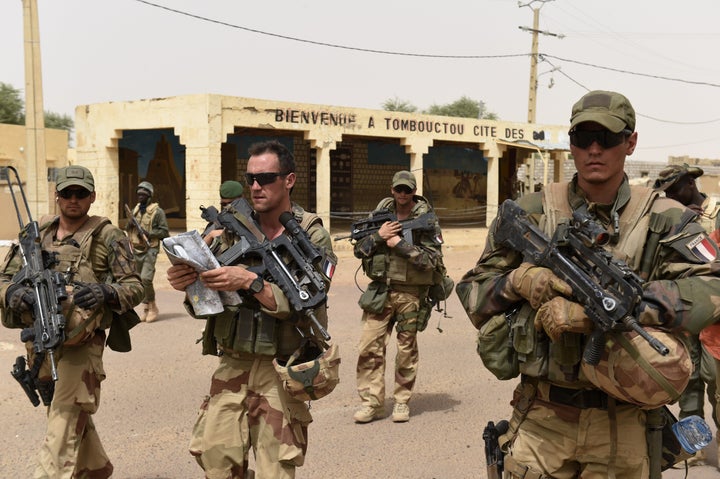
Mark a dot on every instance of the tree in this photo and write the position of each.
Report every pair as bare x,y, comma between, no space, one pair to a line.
465,107
396,104
11,105
12,110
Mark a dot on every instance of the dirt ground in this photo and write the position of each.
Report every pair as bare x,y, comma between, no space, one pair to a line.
151,396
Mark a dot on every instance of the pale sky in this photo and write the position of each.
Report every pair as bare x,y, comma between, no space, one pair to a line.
96,51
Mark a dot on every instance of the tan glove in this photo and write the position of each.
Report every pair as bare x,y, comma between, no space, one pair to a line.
537,284
560,315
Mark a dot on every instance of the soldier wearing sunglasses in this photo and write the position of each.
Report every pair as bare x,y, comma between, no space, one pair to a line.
401,274
248,408
572,419
103,287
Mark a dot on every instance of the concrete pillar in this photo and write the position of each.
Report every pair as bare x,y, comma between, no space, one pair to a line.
494,153
417,147
323,142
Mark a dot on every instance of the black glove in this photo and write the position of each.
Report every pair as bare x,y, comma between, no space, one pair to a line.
92,295
19,298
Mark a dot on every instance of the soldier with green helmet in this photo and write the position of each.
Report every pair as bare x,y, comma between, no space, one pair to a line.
401,275
571,418
146,244
103,287
679,183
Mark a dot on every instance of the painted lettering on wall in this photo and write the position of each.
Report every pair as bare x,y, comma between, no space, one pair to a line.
314,117
441,127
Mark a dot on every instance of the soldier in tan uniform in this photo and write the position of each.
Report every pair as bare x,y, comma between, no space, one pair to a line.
678,183
97,261
248,407
401,275
572,419
146,244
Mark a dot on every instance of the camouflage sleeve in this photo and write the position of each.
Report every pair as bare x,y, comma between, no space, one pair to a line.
685,282
11,265
160,228
114,264
367,246
482,290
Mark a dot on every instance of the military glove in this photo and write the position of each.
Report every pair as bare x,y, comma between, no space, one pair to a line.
661,304
537,284
19,298
560,315
92,295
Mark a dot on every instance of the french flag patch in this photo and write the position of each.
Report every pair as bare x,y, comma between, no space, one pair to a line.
703,248
328,268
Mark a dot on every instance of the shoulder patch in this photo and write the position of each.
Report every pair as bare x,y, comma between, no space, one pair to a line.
702,248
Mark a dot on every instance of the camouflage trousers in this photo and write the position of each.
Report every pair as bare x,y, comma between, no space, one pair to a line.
145,265
578,443
72,447
692,400
376,331
248,408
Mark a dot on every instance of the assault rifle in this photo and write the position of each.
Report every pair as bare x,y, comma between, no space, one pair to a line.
494,457
607,288
141,232
48,330
361,229
298,278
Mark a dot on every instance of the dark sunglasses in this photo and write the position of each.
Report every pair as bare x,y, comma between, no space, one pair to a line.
262,178
605,138
402,189
79,193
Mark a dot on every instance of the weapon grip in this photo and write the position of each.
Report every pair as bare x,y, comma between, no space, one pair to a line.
594,347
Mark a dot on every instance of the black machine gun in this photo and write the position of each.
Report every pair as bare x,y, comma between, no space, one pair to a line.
298,278
141,232
48,287
366,227
607,288
494,457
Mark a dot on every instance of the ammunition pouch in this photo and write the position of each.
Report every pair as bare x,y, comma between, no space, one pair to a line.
374,298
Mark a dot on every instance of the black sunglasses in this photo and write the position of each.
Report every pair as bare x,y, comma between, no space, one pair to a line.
262,178
402,189
605,138
79,193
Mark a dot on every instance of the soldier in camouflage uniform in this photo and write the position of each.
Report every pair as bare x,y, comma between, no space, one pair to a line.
104,287
248,408
401,274
564,426
678,183
153,223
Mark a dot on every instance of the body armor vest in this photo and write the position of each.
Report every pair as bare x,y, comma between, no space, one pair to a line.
146,221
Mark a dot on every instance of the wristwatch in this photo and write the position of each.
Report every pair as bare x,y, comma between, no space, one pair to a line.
257,285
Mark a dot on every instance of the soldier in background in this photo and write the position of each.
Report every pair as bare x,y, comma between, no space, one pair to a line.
146,244
572,419
401,275
229,191
678,182
98,262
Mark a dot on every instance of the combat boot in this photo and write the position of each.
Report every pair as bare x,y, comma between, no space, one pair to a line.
401,412
152,312
144,312
368,413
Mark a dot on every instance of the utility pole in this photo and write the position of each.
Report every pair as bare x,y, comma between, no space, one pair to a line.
35,156
535,30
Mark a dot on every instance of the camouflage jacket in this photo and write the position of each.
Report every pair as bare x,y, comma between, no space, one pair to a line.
109,256
240,329
405,264
153,221
688,274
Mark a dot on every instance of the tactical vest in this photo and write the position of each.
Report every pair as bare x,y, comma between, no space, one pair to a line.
73,260
246,330
387,266
558,361
146,222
